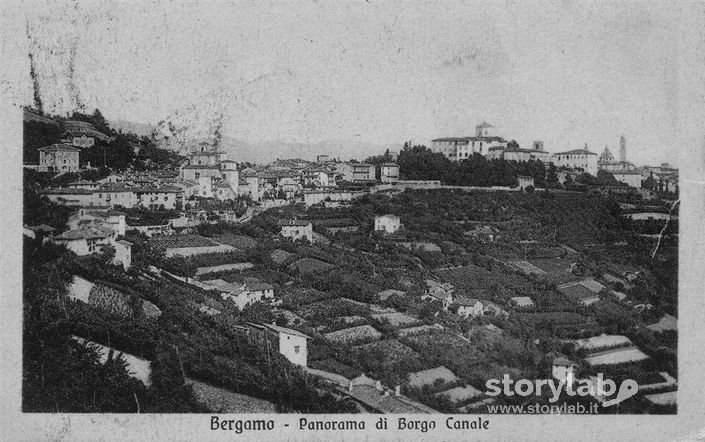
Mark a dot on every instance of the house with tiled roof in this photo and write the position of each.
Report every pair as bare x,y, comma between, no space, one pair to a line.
292,344
563,369
85,241
296,229
243,294
577,159
59,158
41,232
81,134
469,307
372,397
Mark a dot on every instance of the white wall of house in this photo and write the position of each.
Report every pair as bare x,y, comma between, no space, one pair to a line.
297,232
386,223
474,310
294,348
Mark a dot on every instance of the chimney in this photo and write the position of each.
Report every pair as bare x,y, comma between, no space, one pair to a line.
378,386
350,386
397,391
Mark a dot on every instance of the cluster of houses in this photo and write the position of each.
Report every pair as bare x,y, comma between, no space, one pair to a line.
89,231
464,306
206,173
486,142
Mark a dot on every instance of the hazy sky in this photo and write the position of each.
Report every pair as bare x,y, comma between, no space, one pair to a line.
567,73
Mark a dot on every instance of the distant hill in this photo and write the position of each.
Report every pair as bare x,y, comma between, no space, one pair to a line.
170,137
267,151
139,129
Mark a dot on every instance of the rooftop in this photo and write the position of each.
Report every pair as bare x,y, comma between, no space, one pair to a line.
59,148
576,152
467,139
294,222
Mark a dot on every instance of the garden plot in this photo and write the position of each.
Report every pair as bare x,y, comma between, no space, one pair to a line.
424,246
473,277
80,289
461,394
438,341
310,265
279,256
391,351
396,319
237,241
238,266
421,329
333,308
616,356
603,342
528,268
353,334
220,400
557,269
668,398
431,377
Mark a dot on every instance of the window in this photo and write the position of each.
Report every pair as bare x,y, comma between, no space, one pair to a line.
297,348
198,175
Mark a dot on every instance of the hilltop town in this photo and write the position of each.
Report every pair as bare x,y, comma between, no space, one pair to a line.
398,283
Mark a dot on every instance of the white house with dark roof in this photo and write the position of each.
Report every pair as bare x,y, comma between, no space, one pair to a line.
469,307
292,344
525,181
387,223
295,229
85,241
389,173
577,159
242,294
563,369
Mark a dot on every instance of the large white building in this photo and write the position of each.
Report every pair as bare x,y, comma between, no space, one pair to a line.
59,158
461,148
581,159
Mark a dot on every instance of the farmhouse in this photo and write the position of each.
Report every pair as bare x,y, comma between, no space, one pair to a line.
525,181
296,229
85,241
371,396
469,307
389,172
242,294
292,344
387,223
563,369
437,291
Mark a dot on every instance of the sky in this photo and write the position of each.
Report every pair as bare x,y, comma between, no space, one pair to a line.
564,72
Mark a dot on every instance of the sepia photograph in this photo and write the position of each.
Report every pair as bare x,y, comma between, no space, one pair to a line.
444,211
